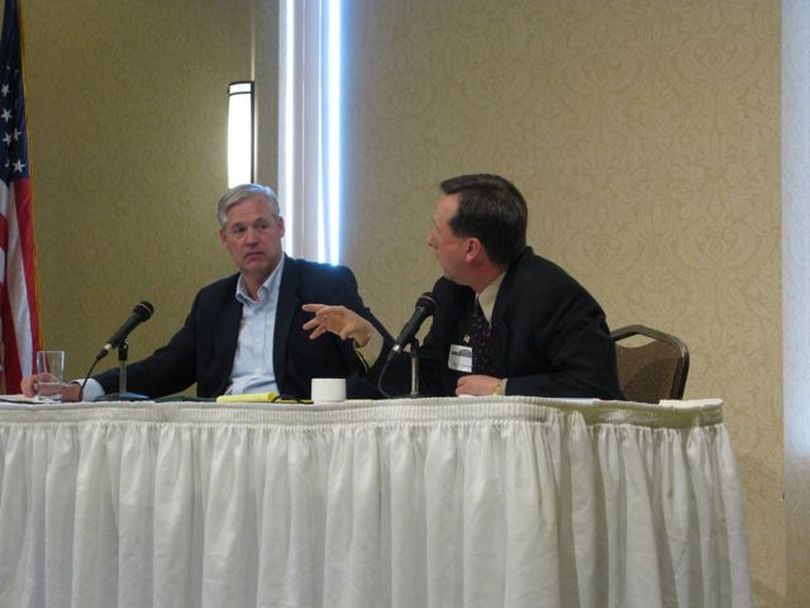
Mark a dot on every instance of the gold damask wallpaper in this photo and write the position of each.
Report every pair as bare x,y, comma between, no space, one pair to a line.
127,121
645,135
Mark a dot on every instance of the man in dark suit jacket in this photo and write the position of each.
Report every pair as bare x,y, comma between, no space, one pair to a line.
203,350
245,333
548,337
507,321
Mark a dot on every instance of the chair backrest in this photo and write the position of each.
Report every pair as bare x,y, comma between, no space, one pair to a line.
653,370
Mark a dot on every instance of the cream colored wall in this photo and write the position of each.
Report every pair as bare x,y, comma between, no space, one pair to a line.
127,116
645,136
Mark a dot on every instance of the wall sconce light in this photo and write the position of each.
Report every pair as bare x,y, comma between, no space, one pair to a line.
240,133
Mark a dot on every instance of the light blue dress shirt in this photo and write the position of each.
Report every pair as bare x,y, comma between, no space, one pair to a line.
253,370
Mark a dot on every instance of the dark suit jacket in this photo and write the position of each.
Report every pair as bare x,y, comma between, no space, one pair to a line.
203,350
549,336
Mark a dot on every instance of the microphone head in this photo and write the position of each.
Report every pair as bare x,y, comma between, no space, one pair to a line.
144,309
427,302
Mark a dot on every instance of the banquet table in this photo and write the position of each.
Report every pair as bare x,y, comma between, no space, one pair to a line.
474,502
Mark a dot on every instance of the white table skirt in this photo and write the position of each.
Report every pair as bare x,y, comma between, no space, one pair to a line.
477,502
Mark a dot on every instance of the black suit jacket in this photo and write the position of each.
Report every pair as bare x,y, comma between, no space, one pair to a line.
549,336
203,350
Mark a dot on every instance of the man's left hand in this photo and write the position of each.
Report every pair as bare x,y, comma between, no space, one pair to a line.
338,320
477,385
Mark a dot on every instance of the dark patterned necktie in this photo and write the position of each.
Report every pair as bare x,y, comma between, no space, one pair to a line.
480,334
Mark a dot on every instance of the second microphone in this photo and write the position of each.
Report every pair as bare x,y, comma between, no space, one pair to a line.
142,312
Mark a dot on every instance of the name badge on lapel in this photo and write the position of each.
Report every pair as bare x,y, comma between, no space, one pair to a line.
460,358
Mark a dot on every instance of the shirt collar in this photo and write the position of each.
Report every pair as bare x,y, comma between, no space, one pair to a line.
270,285
486,299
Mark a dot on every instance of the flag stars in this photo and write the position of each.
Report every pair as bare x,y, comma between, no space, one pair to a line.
14,154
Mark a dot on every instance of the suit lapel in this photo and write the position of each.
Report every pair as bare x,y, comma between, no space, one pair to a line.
288,303
500,324
228,334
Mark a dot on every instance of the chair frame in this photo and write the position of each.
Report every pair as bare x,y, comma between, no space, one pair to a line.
682,367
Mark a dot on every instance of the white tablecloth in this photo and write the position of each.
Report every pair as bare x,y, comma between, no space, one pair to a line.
478,502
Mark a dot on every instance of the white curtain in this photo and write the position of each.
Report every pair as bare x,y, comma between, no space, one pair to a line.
309,133
460,502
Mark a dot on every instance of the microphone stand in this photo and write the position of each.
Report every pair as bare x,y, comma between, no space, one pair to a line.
414,357
414,368
123,351
122,394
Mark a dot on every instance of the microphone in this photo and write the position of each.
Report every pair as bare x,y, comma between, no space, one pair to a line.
142,312
425,307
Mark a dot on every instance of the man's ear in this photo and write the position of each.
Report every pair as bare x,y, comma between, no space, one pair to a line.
222,235
474,250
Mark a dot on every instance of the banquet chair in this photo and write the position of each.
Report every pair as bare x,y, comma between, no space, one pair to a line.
652,364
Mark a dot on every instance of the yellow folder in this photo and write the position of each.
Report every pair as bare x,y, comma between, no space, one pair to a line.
248,398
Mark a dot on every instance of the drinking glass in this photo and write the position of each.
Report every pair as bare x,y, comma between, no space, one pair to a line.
50,374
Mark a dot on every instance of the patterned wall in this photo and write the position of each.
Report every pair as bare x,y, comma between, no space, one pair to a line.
645,136
127,121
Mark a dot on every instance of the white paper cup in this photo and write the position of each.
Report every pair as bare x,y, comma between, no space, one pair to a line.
328,390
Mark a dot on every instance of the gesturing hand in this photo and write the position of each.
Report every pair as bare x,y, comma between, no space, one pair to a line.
338,320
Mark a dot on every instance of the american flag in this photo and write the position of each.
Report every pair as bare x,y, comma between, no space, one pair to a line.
19,310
